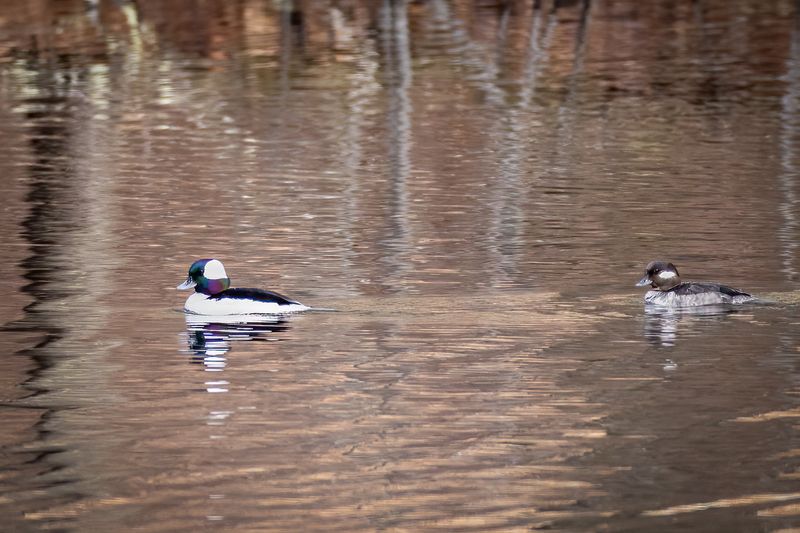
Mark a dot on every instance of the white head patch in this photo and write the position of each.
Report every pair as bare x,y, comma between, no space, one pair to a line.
664,274
214,270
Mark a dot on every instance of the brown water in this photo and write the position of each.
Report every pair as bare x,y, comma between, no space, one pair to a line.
474,187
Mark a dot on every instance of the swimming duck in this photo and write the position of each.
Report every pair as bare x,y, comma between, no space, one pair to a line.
669,290
213,295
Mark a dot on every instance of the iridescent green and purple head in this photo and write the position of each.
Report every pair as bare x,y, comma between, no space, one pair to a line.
207,276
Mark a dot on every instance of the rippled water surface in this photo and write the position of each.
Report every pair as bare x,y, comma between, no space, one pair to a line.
470,191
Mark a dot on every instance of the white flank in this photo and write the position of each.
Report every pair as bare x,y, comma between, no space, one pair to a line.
214,270
203,305
196,321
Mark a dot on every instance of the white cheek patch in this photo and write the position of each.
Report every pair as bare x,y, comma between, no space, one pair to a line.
214,270
666,275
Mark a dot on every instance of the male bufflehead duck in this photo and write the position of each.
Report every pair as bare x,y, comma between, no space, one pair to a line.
213,295
669,290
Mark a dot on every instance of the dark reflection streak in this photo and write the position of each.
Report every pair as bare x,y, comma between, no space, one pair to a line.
397,54
698,12
790,129
48,143
51,219
287,41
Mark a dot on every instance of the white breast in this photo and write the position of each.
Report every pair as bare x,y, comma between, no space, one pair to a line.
203,305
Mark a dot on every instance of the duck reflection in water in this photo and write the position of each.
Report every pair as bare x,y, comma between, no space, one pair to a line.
661,324
210,338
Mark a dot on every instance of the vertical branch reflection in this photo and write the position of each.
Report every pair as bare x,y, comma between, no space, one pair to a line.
790,129
362,88
536,56
502,32
508,215
469,53
567,110
397,54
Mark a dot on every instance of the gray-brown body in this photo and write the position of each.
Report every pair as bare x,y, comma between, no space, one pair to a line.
669,290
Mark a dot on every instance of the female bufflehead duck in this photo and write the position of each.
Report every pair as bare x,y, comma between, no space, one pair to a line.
669,290
214,297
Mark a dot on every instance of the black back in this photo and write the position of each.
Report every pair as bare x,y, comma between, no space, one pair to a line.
258,295
698,288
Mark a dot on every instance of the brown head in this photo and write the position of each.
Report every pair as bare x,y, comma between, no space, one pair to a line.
661,276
